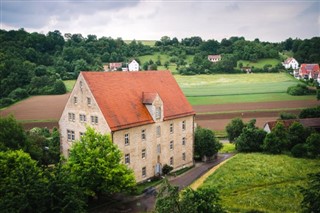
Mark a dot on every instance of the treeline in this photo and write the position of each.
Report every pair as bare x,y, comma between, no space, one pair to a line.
35,63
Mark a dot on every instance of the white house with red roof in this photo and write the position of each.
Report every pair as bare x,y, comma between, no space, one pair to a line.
214,58
146,114
290,63
308,71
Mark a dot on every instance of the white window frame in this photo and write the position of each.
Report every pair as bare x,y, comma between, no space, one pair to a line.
171,161
126,139
82,117
70,135
171,128
89,101
143,135
71,117
144,172
143,154
94,119
127,159
171,145
183,125
184,141
75,99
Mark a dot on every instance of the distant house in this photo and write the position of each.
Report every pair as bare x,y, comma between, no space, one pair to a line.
248,70
115,66
133,66
214,58
306,122
290,63
308,71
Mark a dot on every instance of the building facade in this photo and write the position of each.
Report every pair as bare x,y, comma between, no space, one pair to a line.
146,114
133,66
291,63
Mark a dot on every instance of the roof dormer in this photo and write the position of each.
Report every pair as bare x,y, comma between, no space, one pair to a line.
154,105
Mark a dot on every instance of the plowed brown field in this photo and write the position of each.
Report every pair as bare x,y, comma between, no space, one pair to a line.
45,111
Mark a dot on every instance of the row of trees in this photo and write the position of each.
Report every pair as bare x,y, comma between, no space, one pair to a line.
28,184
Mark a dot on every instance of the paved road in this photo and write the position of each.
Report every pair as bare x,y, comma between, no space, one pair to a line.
146,203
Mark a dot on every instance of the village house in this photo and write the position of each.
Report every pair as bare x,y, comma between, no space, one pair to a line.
133,66
146,114
115,66
290,63
214,58
308,71
306,122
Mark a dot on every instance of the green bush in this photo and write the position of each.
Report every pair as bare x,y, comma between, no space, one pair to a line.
6,102
299,89
166,169
299,150
310,113
59,87
18,94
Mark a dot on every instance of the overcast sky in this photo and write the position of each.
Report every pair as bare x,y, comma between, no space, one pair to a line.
274,20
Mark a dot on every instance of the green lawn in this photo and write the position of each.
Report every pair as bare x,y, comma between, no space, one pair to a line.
260,63
228,148
266,183
69,84
144,42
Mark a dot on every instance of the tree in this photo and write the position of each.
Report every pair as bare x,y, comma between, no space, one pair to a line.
189,201
311,194
297,134
234,128
251,138
12,135
206,143
277,140
59,87
95,164
22,186
310,113
313,145
166,169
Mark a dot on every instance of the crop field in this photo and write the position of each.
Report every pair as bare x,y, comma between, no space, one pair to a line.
260,63
259,182
237,88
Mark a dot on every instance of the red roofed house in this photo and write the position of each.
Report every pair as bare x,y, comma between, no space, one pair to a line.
309,71
306,122
146,114
291,63
115,66
214,58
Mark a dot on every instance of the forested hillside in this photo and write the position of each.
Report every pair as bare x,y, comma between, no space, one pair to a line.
35,63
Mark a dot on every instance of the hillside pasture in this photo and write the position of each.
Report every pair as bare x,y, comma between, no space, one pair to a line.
260,63
262,183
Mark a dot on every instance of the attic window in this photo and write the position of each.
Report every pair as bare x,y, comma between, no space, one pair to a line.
81,85
158,113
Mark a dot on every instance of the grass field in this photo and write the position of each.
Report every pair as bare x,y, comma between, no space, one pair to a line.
260,63
266,183
69,84
228,148
144,42
237,88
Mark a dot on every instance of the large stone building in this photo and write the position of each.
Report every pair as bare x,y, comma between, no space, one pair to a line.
146,114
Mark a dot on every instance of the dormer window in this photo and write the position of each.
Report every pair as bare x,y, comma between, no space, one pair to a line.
158,113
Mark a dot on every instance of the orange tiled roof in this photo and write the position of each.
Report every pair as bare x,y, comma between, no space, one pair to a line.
120,96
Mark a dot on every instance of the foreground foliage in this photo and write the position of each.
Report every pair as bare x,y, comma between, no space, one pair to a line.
188,201
311,194
260,182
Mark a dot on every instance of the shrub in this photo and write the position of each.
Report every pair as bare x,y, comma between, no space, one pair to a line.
18,94
299,89
59,87
299,151
166,169
250,140
287,116
234,128
6,102
313,145
272,144
310,113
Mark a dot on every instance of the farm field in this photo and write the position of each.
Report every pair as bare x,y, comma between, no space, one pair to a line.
259,182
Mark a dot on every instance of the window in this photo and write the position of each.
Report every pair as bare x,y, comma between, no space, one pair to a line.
126,139
75,100
158,113
158,131
71,116
143,154
171,161
70,134
81,134
171,128
158,149
88,101
94,119
183,125
171,145
183,141
144,171
82,118
81,85
143,134
127,159
184,156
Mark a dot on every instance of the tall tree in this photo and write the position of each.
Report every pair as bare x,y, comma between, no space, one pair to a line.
206,143
95,164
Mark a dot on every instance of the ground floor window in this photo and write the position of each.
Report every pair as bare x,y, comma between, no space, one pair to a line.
70,134
127,159
144,172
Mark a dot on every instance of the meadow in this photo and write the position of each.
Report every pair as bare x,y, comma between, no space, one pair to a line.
237,88
259,182
260,63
